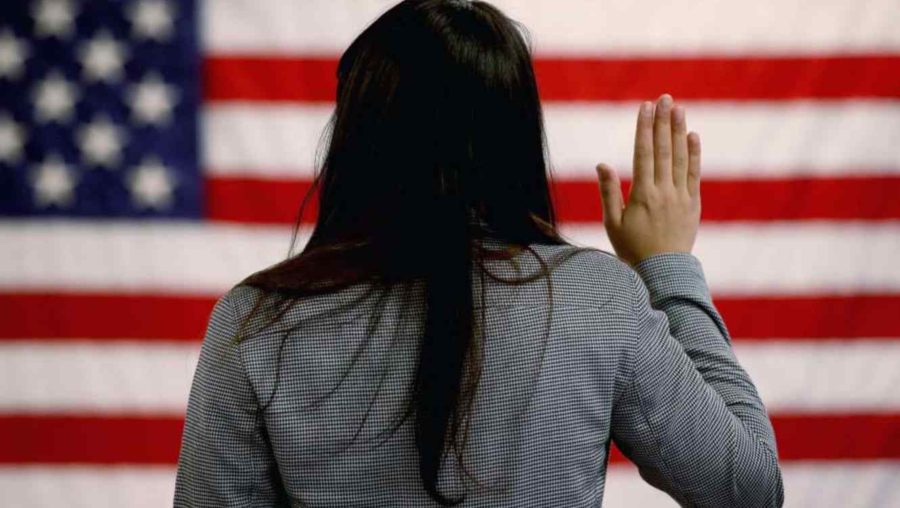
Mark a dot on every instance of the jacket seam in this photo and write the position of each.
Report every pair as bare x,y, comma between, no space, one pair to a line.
261,467
666,469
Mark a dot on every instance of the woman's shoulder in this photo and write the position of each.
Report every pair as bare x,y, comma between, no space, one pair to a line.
243,298
583,276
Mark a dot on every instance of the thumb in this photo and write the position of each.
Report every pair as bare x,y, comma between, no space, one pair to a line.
611,193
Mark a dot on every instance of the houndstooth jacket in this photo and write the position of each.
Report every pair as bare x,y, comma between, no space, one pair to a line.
639,356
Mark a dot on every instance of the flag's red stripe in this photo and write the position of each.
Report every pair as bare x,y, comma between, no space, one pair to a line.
312,79
267,78
830,437
56,439
59,439
819,316
801,198
258,201
743,78
103,316
154,317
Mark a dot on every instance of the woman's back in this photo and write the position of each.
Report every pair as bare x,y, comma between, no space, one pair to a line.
437,141
546,407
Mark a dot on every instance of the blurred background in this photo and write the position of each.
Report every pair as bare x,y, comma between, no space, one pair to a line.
154,152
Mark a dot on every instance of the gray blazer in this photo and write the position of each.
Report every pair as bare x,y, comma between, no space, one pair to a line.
636,356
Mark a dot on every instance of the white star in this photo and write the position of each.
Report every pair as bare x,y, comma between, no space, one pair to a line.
152,100
54,182
152,19
53,18
102,58
151,184
12,55
12,138
101,142
54,98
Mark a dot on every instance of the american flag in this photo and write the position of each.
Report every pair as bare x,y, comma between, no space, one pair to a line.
155,152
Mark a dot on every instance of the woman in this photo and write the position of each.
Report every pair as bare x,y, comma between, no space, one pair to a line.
437,342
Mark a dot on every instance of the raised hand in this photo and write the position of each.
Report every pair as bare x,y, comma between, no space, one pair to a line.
663,210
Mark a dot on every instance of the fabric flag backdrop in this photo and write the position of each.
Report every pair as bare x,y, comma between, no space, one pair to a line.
153,153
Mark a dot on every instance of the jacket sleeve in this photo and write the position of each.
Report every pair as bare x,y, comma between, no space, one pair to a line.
225,458
688,414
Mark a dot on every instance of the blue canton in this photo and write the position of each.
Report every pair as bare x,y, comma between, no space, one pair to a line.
99,109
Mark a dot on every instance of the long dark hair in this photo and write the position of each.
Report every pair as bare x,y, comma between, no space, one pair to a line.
436,143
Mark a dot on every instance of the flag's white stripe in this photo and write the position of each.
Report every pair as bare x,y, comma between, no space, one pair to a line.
740,140
112,377
820,484
137,257
739,258
872,484
807,257
43,486
128,377
604,27
824,375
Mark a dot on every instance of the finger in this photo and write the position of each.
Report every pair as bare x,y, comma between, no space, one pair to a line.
642,162
611,194
679,147
662,141
693,177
